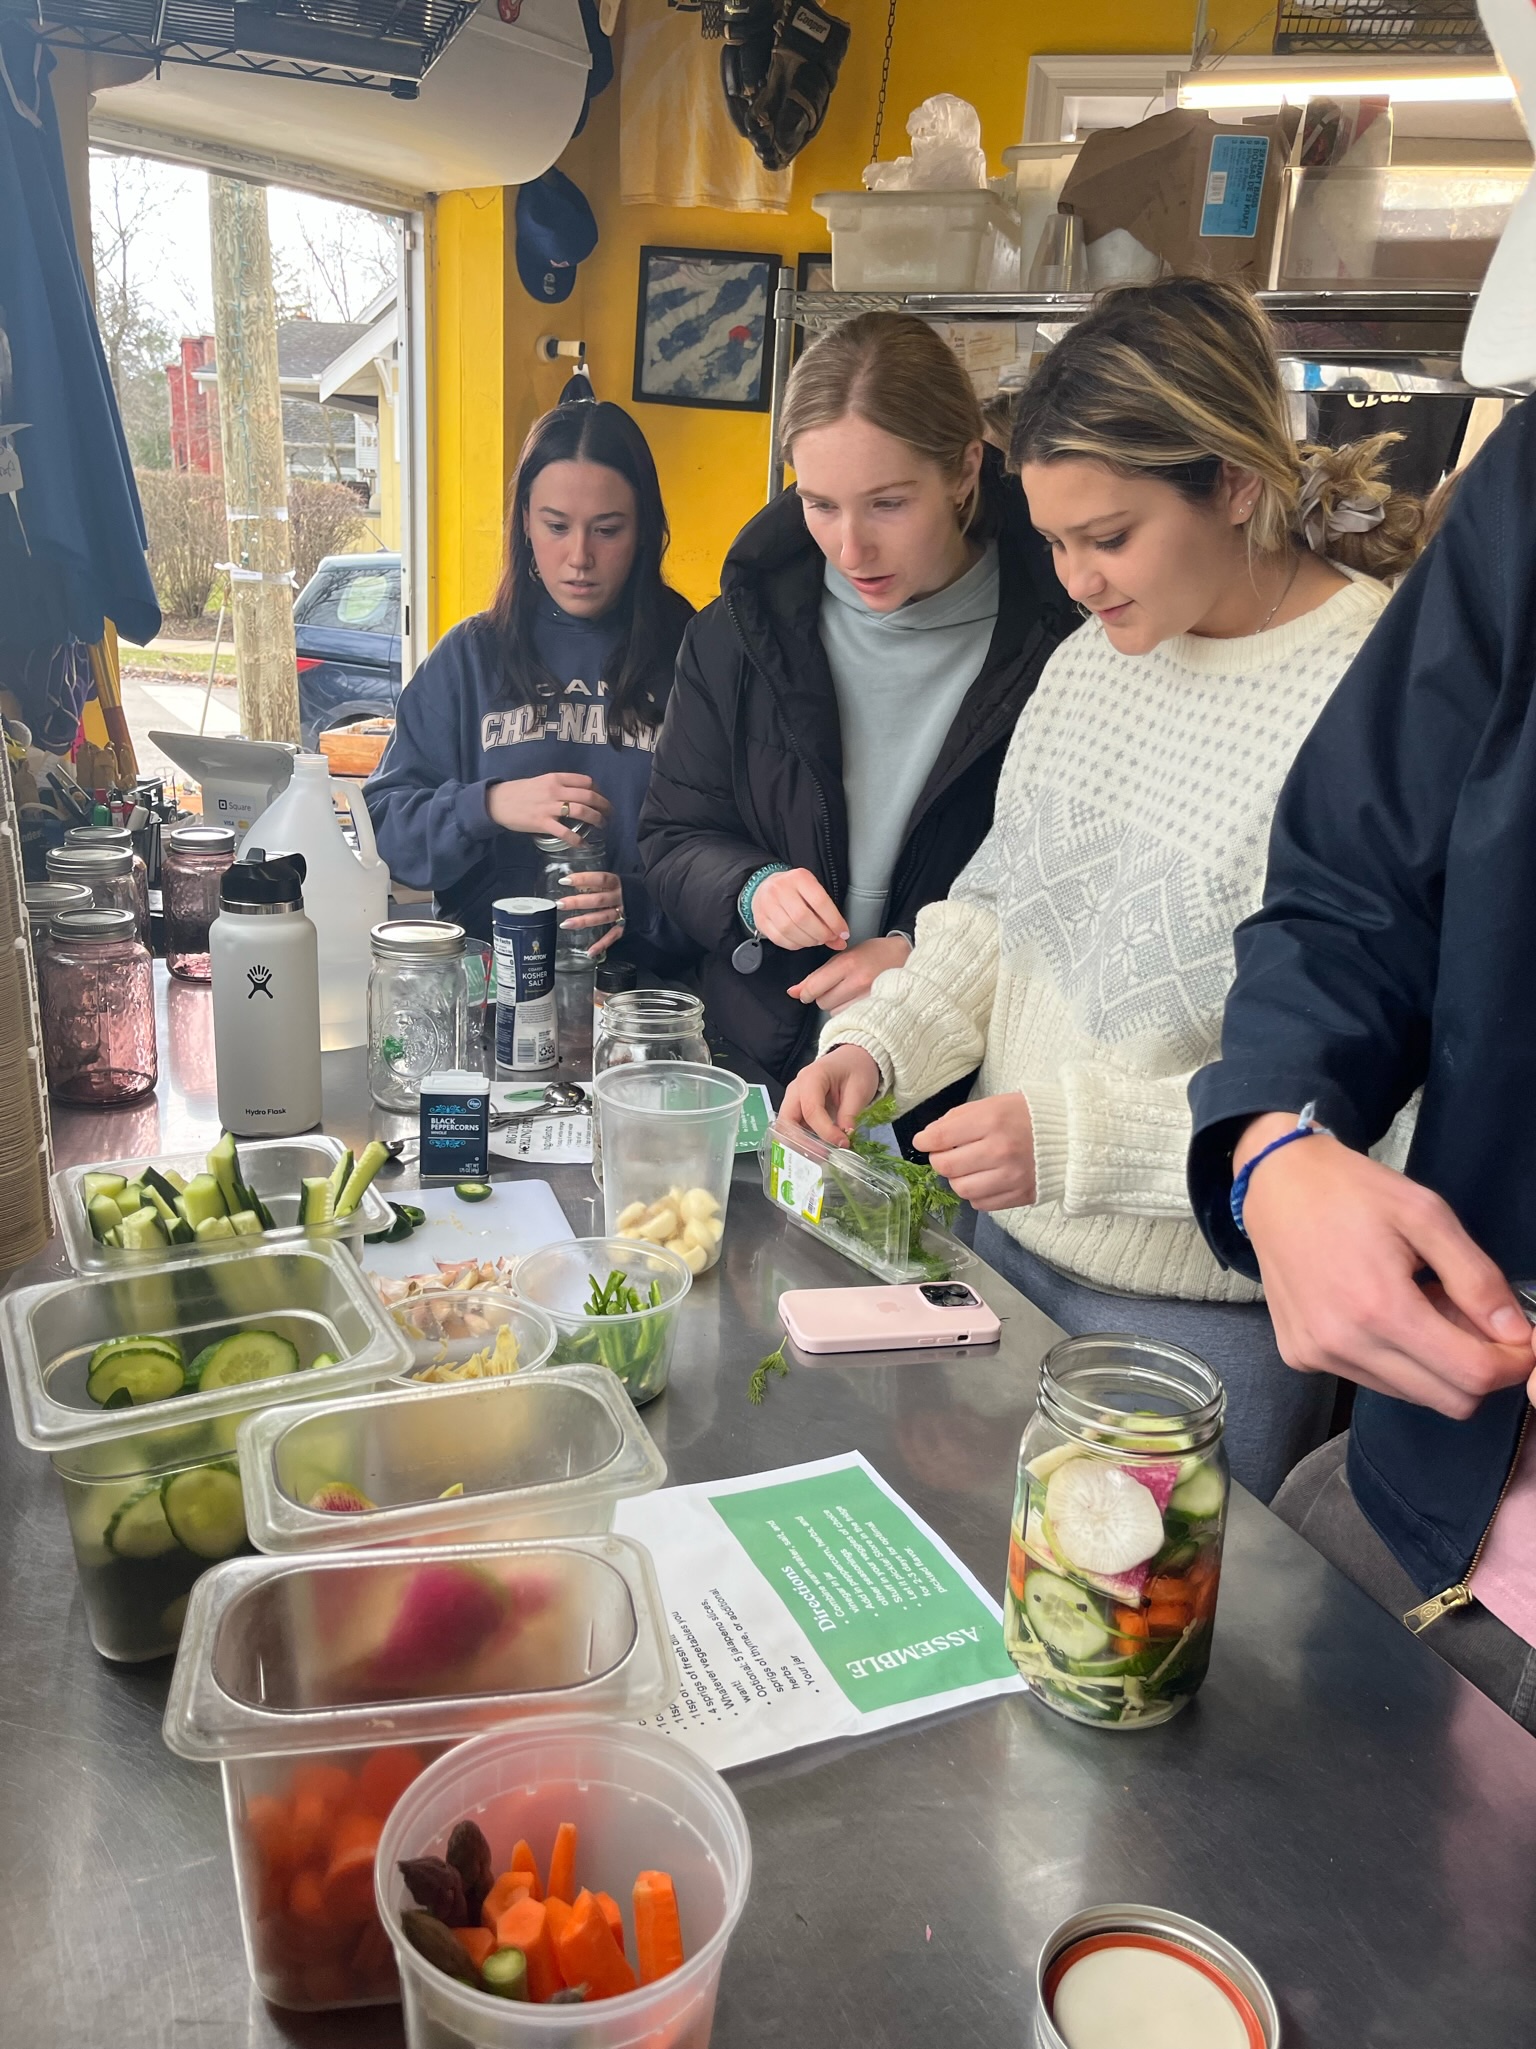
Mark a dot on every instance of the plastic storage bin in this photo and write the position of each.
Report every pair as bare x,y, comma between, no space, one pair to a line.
1038,171
153,1493
637,1346
857,1206
668,1131
640,1802
1385,224
548,1455
322,1687
274,1169
921,241
450,1327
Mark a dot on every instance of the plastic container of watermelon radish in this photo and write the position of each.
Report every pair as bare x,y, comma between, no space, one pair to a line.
640,1802
324,1687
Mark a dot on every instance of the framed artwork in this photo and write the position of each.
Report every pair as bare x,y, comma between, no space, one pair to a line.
813,273
704,329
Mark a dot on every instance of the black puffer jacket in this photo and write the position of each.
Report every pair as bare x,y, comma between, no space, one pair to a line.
749,766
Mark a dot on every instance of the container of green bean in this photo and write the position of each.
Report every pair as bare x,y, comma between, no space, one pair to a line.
613,1302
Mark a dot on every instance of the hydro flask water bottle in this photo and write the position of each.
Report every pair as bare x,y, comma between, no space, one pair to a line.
266,1000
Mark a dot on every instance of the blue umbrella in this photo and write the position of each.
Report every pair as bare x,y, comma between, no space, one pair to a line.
72,535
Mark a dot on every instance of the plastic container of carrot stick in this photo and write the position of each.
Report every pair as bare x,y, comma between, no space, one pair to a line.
640,1802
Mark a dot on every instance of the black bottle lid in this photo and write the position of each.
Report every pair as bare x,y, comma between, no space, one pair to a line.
278,881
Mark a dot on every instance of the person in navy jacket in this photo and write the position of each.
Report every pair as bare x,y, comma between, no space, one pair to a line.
540,716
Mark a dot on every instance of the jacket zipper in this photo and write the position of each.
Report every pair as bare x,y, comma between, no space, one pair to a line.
1461,1595
810,767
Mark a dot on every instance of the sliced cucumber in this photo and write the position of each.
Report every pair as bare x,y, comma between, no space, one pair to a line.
248,1355
139,1529
146,1343
205,1510
202,1198
339,1176
104,1214
163,1185
224,1166
472,1191
165,1210
143,1231
214,1228
317,1203
195,1370
1064,1617
131,1198
322,1359
92,1185
371,1159
246,1223
1200,1493
145,1371
180,1232
177,1183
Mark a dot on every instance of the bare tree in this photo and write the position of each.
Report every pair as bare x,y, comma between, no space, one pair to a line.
125,226
339,260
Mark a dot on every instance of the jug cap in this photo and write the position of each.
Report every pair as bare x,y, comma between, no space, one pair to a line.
260,884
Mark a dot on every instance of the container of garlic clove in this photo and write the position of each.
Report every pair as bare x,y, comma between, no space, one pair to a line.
668,1134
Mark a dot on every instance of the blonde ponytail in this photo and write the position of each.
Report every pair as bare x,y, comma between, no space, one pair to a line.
1347,510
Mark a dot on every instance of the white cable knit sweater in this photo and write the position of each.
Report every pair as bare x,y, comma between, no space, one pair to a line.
1084,955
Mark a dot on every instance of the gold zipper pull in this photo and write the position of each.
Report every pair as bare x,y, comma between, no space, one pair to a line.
1418,1619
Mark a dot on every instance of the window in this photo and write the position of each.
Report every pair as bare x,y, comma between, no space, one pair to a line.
365,599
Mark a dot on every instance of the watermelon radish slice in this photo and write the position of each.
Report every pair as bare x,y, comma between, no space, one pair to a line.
1102,1517
1125,1587
1159,1477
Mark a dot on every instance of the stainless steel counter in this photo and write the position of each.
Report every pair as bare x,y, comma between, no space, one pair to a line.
1337,1802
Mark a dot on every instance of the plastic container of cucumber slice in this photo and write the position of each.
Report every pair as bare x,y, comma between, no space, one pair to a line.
1114,1557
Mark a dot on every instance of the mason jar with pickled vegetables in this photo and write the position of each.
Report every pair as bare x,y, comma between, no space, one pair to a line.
1115,1553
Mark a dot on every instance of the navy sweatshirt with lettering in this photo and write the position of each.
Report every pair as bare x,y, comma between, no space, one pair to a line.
458,731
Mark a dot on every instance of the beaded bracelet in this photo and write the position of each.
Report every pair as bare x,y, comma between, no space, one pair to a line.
1306,1126
750,888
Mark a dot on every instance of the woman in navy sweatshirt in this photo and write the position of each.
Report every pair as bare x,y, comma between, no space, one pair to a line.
540,716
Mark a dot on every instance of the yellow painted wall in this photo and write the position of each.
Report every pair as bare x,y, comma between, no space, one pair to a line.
713,465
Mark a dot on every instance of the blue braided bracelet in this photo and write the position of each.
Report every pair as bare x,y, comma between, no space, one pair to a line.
1306,1126
749,890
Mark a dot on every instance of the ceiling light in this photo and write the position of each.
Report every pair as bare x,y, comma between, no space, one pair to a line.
1223,90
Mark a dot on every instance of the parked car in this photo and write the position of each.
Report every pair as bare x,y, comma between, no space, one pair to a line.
346,634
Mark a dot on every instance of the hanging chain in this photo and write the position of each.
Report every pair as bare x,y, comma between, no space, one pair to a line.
885,79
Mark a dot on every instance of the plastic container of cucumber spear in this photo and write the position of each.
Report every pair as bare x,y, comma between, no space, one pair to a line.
135,1385
1114,1558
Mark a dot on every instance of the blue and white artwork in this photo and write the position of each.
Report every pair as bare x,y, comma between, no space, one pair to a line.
703,328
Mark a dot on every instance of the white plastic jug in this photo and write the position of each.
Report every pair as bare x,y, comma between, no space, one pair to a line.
345,894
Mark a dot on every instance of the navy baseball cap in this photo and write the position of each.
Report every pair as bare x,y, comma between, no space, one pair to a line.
555,232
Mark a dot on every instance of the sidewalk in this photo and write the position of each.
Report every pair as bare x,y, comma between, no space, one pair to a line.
173,708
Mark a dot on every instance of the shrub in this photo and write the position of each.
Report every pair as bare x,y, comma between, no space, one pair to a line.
184,516
323,519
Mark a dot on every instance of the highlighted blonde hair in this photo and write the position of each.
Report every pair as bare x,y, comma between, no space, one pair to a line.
892,370
1179,380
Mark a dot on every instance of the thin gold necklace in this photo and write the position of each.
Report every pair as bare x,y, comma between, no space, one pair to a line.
1274,608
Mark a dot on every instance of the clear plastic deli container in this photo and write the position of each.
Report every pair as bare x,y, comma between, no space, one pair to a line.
548,1455
669,1147
322,1687
636,1344
639,1802
273,1168
921,241
455,1334
152,1489
856,1205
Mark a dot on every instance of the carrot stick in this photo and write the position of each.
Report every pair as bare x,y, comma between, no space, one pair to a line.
557,1913
589,1955
612,1914
562,1864
477,1943
348,1883
511,1886
658,1932
525,1926
523,1859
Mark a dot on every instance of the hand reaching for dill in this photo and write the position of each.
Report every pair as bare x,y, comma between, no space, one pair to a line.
927,1194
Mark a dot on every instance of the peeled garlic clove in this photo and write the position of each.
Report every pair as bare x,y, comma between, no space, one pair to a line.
630,1216
699,1203
662,1226
695,1256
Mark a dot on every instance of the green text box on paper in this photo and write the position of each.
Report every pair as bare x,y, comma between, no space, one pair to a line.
887,1614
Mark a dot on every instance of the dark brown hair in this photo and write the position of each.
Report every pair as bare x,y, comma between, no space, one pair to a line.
644,636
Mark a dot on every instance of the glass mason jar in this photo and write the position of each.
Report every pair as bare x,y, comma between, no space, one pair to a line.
561,862
107,873
646,1024
44,900
98,1008
195,857
1115,1553
118,836
610,978
418,1008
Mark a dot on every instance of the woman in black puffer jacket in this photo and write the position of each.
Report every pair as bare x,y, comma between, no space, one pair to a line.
841,712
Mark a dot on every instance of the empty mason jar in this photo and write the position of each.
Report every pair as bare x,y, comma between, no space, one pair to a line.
108,874
418,1008
118,836
98,1008
1115,1555
643,1025
194,859
45,900
561,862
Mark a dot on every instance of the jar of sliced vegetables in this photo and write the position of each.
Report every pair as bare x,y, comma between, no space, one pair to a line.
1115,1552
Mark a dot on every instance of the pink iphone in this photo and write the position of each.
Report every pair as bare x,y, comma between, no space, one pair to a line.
890,1319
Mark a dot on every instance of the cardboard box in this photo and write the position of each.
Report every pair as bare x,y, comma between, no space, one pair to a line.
1202,195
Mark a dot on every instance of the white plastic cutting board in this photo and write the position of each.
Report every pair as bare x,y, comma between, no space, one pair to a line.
518,1217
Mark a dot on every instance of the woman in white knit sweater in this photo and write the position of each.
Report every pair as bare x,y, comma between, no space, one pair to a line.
1227,577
